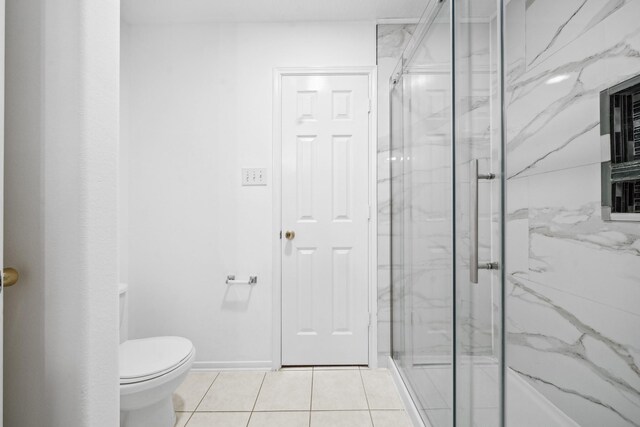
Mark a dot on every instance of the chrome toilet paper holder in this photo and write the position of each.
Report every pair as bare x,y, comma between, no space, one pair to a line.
231,280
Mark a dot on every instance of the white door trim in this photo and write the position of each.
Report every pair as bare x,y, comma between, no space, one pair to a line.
279,73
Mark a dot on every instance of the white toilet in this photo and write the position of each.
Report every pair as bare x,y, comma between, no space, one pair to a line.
150,371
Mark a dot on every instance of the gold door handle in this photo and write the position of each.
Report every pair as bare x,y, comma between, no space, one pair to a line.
10,277
290,235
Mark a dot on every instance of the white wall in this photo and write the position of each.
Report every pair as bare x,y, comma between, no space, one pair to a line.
123,151
200,109
60,322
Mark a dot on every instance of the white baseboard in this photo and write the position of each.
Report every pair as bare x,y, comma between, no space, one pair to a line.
251,365
409,405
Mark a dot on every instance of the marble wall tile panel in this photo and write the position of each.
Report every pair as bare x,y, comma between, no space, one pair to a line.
574,280
553,108
391,42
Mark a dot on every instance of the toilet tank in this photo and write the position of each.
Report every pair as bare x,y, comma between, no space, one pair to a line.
122,290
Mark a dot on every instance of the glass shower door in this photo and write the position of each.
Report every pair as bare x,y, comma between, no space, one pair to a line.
447,220
478,214
422,240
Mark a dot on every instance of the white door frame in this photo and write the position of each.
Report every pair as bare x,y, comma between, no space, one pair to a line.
279,74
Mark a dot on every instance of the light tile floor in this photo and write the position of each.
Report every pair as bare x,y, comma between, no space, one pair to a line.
296,397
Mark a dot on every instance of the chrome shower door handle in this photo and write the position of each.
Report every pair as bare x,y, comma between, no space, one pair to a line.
473,221
474,265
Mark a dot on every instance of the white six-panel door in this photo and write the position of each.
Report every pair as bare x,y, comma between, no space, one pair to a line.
325,202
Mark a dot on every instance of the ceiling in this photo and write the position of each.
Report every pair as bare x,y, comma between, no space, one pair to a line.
177,11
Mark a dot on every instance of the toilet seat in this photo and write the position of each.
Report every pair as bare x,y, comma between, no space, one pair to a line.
145,359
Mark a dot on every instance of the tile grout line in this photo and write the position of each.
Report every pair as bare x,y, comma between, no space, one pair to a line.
189,419
207,392
201,399
253,410
264,376
364,388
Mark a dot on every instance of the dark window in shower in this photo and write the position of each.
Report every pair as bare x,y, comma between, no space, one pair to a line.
624,125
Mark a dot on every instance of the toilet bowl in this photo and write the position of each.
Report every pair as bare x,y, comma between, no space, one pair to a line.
151,369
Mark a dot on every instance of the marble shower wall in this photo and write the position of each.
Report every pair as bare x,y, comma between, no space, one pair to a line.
573,312
476,100
392,40
420,157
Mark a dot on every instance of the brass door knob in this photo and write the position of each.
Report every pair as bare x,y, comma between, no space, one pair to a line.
10,277
290,235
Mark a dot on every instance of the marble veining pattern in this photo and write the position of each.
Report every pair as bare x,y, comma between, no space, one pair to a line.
569,20
391,42
565,88
573,279
570,342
